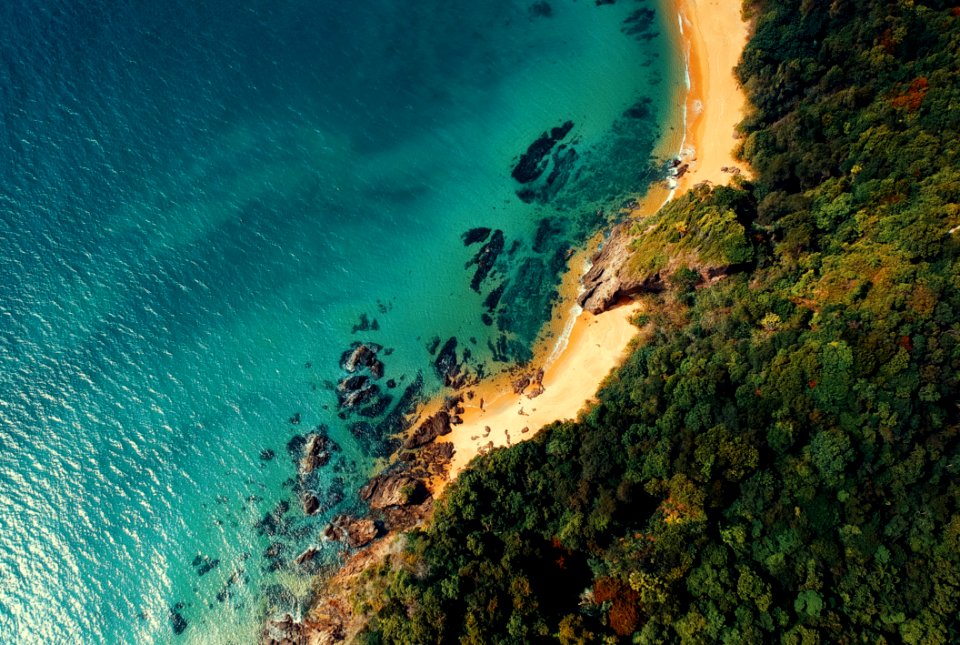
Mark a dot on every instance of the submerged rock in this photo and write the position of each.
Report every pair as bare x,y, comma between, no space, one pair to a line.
177,621
396,421
274,523
533,162
447,365
493,298
475,235
366,324
485,258
541,9
208,566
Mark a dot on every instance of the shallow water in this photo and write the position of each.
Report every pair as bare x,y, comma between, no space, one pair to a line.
199,202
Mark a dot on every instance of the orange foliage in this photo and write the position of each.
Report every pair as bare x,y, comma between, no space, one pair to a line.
913,97
624,615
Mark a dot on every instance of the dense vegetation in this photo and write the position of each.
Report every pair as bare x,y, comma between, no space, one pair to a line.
779,462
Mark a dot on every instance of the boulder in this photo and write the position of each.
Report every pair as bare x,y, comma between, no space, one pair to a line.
355,532
393,489
307,556
311,504
315,453
361,355
285,631
433,427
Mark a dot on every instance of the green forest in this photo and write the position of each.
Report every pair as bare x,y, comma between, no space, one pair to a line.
779,460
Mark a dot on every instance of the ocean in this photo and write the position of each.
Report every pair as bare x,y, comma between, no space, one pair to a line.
204,205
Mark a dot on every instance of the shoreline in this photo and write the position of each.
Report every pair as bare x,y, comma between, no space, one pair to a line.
577,351
712,35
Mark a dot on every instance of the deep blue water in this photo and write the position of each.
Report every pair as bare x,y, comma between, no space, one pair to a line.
198,203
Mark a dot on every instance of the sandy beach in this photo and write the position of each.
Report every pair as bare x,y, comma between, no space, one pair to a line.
713,35
578,351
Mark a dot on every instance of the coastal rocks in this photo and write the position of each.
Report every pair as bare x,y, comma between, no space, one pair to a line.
446,365
609,279
314,503
533,162
177,621
307,556
536,387
430,460
285,631
541,9
475,235
316,453
355,533
361,355
354,391
310,502
365,324
393,489
433,427
274,522
641,24
485,259
530,382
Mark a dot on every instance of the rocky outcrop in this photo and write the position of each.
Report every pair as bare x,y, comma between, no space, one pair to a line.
431,460
354,532
362,355
310,502
609,279
536,387
433,427
394,489
316,453
354,391
284,631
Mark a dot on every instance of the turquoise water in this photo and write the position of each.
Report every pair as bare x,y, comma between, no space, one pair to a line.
199,201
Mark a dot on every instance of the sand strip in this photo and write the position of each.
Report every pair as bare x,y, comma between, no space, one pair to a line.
714,35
